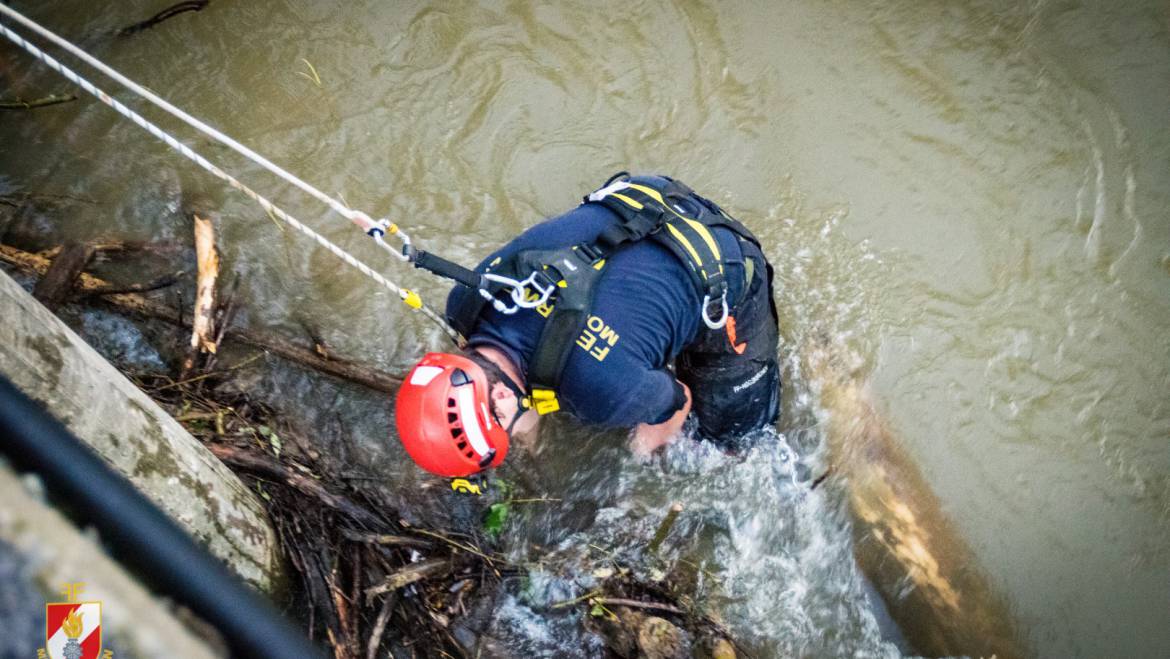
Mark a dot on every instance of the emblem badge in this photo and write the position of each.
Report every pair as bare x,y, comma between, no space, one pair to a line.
73,630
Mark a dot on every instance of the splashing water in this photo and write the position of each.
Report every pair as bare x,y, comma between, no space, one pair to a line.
760,547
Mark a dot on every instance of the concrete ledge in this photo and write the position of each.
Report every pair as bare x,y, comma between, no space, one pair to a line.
55,367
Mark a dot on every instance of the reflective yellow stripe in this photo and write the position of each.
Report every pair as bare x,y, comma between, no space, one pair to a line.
699,227
703,231
629,202
650,191
688,246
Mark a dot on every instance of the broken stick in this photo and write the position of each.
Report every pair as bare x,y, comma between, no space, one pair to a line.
203,323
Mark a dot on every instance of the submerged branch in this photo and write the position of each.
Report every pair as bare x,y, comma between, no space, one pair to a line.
52,99
168,13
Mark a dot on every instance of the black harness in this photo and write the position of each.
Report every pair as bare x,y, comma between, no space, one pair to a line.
658,208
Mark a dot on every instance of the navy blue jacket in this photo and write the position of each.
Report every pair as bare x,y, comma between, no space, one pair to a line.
646,311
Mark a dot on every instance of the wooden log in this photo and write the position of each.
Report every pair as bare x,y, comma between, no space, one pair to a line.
145,307
903,542
57,284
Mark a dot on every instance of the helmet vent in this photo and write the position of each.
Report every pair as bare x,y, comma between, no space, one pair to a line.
462,445
456,432
452,417
450,402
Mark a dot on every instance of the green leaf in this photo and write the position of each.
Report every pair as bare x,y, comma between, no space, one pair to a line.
597,611
503,487
494,522
273,439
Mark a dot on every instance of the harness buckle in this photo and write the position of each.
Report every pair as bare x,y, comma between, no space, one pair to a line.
590,252
715,324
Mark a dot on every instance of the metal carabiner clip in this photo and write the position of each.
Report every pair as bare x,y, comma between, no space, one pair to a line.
518,293
714,324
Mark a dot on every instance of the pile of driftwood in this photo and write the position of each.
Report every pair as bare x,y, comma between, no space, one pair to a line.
368,580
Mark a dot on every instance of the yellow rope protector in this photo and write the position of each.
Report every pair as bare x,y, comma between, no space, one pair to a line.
411,298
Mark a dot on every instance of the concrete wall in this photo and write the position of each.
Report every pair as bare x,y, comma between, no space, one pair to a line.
52,365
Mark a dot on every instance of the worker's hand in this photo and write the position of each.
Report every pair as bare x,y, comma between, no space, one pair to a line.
648,438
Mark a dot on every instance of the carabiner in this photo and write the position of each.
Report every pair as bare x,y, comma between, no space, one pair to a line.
714,324
380,228
517,293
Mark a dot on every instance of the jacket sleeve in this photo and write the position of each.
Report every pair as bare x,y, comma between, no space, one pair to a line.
637,396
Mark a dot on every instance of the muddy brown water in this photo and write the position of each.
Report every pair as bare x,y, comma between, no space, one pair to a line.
971,198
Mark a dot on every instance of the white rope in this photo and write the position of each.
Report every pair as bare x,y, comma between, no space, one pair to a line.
359,218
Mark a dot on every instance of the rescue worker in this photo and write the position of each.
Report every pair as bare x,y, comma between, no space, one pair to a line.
645,303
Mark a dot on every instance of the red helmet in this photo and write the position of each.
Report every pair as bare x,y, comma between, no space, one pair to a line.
444,417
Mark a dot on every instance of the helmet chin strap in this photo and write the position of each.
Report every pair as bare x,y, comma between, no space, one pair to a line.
523,403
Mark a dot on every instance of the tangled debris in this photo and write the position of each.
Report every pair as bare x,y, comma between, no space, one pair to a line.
368,580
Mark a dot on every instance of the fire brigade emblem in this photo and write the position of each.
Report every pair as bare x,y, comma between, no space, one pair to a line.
73,629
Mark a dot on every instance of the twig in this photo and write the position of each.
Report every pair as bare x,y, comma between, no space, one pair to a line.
315,79
820,479
224,314
145,287
53,99
179,383
263,465
380,624
664,528
139,305
457,545
385,539
22,198
169,12
635,604
563,604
